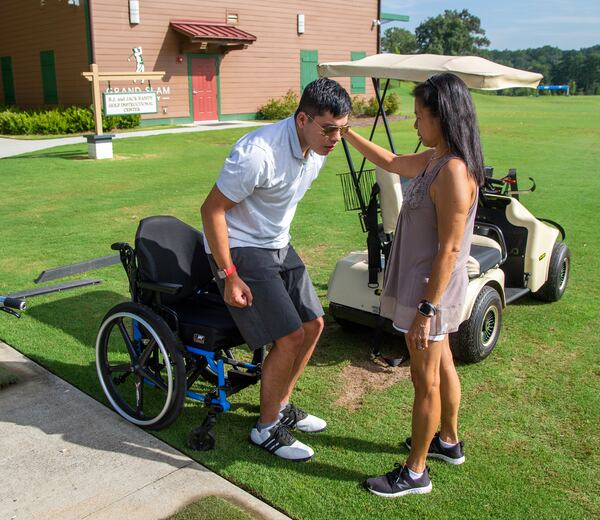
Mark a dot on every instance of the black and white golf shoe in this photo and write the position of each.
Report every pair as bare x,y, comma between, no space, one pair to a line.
279,441
294,417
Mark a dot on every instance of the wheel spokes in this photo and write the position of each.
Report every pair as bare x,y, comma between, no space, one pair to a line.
143,359
154,379
137,367
127,339
123,367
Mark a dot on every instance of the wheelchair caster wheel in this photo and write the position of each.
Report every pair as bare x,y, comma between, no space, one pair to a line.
201,441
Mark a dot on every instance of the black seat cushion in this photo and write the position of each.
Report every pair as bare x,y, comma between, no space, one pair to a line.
487,257
170,251
205,322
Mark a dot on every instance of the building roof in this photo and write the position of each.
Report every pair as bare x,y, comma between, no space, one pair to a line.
198,30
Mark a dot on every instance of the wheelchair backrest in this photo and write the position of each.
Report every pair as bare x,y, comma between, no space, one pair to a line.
170,251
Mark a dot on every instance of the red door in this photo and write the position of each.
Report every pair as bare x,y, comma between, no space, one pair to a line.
204,89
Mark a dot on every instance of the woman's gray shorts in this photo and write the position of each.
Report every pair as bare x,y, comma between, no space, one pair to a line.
283,293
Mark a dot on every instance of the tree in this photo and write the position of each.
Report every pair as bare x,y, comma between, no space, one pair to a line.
399,41
454,33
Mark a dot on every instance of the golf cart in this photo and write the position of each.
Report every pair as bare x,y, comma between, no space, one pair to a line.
513,252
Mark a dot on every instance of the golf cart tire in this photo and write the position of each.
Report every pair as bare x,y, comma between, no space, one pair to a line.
350,326
477,336
558,274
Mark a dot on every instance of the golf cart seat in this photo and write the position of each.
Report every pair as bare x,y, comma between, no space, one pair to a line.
485,254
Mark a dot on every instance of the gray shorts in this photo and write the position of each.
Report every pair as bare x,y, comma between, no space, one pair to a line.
283,293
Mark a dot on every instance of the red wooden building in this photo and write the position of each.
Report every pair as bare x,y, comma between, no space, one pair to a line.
222,60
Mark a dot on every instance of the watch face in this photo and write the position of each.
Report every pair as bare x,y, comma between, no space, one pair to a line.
426,309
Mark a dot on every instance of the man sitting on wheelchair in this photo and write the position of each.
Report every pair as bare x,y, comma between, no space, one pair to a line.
246,219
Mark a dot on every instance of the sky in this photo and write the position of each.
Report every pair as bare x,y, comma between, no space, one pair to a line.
514,24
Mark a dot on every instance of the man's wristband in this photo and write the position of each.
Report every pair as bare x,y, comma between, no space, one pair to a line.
226,273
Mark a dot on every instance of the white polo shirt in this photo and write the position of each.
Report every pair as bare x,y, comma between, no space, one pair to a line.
267,175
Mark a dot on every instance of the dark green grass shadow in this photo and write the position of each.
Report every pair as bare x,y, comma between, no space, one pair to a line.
529,301
79,315
232,431
69,155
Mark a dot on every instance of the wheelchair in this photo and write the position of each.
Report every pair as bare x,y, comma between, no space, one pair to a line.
175,331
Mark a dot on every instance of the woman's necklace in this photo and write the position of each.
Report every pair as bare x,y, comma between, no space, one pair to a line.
435,157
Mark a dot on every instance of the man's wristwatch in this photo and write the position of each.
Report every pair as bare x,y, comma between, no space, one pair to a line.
226,273
427,309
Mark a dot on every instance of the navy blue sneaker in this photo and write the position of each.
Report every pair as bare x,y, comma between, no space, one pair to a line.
454,455
398,483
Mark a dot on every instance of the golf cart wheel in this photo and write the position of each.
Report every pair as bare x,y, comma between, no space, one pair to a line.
558,274
477,336
140,366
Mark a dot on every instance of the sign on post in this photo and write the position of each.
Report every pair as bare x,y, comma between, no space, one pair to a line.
125,103
122,103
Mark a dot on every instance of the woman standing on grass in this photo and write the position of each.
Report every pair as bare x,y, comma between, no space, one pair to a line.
426,279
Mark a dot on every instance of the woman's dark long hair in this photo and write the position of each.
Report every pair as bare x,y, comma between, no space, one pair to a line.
448,98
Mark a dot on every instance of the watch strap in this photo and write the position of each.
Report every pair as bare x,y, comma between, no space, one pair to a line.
226,273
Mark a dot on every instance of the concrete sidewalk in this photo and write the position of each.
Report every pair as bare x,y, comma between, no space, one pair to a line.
65,455
12,147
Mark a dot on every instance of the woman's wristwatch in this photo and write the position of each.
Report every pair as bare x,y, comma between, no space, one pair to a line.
427,309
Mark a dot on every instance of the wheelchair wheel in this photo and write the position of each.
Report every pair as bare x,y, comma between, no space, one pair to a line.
140,366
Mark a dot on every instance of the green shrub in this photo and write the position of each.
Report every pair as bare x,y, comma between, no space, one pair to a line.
392,103
359,106
112,122
362,107
279,108
79,119
50,122
15,123
58,121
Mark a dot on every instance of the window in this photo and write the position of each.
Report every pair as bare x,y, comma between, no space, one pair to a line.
8,83
49,77
308,67
357,84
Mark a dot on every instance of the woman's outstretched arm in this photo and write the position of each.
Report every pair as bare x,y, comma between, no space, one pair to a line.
408,165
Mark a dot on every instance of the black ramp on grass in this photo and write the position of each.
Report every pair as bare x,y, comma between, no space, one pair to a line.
81,267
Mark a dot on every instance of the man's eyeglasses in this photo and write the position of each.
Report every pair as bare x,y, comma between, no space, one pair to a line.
330,130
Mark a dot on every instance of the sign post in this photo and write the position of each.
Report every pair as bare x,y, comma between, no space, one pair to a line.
100,144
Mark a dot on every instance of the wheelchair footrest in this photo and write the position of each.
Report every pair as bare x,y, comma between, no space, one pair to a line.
241,379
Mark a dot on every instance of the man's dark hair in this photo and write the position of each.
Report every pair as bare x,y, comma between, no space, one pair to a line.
448,98
324,95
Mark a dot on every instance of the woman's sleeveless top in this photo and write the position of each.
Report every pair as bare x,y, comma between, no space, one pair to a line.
414,249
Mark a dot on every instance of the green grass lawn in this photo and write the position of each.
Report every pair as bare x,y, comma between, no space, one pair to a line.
531,412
